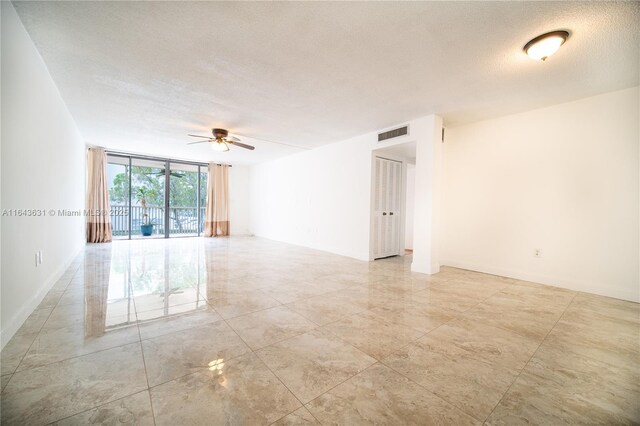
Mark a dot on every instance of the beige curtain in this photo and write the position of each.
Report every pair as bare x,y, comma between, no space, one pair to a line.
98,215
216,222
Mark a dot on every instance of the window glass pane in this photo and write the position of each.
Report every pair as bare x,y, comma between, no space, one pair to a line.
118,175
203,195
147,198
183,200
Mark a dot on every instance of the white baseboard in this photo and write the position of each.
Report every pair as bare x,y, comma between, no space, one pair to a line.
357,256
424,267
10,327
547,280
241,233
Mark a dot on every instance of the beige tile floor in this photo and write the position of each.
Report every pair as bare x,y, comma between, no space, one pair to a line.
245,331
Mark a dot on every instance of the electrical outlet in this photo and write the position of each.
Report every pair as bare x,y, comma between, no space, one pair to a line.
537,253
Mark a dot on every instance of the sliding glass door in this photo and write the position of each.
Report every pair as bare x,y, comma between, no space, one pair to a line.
119,195
148,198
183,200
156,198
204,173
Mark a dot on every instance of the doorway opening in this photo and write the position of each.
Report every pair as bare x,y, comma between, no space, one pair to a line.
393,188
387,207
156,197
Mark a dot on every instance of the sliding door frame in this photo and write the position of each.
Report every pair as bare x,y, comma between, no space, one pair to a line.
167,184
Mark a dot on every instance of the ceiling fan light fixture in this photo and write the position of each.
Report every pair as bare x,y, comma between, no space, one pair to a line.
220,141
220,146
545,45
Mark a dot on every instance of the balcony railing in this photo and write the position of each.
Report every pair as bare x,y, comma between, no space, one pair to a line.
182,220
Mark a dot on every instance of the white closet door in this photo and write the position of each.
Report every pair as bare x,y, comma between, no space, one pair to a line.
377,210
386,222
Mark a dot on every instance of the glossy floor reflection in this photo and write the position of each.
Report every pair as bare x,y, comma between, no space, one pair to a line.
249,331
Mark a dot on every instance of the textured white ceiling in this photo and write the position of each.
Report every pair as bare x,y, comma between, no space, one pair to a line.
139,76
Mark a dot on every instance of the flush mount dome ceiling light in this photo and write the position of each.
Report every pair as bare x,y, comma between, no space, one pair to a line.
545,45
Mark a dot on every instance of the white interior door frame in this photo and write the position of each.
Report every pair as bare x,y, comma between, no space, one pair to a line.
401,207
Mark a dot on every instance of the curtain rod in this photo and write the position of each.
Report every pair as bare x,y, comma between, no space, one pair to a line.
149,157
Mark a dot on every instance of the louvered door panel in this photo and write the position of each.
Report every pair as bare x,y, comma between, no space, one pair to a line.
386,221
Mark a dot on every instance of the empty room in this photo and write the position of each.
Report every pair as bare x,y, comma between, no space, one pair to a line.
320,213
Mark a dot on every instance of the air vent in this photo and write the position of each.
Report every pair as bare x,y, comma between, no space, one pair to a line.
390,134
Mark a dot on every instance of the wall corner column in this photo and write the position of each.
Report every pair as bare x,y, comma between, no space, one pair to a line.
427,196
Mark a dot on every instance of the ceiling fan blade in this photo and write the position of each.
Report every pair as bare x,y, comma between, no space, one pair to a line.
242,145
161,172
204,137
232,138
191,143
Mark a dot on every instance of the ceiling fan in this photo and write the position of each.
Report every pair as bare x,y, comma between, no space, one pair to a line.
161,172
221,140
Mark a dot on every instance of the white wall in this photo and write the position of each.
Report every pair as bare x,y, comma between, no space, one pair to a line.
409,202
43,167
564,180
427,209
239,200
318,198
